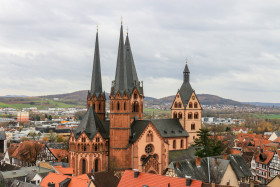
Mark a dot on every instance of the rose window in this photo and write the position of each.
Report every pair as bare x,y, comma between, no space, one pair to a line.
149,148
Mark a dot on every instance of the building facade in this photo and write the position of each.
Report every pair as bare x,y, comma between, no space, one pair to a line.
125,140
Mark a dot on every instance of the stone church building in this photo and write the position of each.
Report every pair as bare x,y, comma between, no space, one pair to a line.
125,140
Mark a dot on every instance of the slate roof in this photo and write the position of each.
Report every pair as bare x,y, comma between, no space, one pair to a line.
18,183
177,155
277,133
189,168
186,88
90,124
26,170
96,82
239,166
126,75
2,135
167,128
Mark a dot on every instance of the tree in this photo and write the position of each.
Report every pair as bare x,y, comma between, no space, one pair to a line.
39,135
59,139
50,117
52,136
32,134
206,146
23,139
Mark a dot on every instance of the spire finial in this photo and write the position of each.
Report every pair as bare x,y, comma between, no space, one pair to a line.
127,30
186,60
97,28
121,19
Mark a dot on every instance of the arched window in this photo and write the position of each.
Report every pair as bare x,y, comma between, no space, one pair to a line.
190,105
124,105
195,105
143,157
99,106
118,105
155,156
135,96
95,147
180,104
196,115
175,115
193,126
93,105
182,143
112,106
190,115
84,166
180,115
193,137
96,165
175,105
135,107
174,144
149,137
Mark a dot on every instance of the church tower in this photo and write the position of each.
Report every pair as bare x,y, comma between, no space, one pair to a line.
126,104
96,98
186,107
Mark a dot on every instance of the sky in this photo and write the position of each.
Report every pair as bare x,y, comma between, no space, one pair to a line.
232,47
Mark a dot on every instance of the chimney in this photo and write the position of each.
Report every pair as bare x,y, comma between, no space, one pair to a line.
197,161
189,182
225,156
177,164
136,173
51,184
216,161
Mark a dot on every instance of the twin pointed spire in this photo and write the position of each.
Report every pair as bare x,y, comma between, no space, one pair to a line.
96,81
126,76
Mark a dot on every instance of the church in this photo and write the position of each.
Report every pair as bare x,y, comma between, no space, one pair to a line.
124,140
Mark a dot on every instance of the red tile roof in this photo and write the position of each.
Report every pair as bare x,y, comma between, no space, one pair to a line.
277,140
235,151
59,154
81,180
267,156
153,180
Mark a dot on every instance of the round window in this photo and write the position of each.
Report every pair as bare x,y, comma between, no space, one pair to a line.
149,149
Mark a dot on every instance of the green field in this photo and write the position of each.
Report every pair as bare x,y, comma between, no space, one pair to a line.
267,116
36,102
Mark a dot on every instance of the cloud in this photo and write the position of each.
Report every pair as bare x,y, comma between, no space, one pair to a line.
232,46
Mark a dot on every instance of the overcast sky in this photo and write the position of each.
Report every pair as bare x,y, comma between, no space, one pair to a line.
232,47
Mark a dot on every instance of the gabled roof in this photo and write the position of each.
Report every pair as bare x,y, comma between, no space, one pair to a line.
265,157
277,133
81,180
239,166
96,82
18,183
90,125
167,128
149,179
200,172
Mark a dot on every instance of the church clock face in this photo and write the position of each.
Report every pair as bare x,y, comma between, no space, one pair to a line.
149,149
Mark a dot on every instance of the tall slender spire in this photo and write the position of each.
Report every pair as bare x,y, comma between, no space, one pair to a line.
132,77
186,73
96,82
121,75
